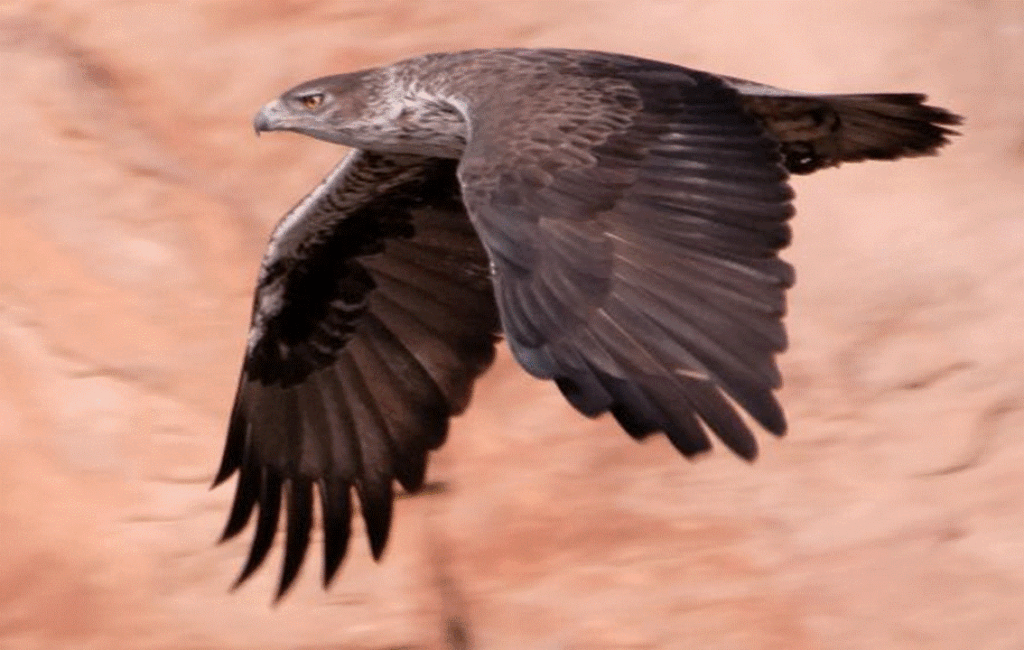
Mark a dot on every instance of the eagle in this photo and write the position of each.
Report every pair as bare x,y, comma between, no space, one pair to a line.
616,220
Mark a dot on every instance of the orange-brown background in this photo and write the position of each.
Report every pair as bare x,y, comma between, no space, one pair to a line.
134,203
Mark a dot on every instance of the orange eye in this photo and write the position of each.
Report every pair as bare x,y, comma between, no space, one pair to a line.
312,101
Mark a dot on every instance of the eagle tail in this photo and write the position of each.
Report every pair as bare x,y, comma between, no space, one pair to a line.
818,131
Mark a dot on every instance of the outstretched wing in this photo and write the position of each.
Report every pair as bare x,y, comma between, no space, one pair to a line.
374,313
634,232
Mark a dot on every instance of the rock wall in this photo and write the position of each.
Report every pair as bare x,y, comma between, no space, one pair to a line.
134,204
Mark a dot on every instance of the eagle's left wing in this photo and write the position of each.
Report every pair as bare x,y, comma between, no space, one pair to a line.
634,212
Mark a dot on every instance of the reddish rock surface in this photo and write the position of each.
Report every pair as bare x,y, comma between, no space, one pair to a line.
134,203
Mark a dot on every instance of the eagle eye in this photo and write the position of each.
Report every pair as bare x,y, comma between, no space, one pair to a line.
312,101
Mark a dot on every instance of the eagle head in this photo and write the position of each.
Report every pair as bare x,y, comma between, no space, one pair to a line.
372,110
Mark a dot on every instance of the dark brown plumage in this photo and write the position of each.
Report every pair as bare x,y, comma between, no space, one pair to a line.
618,219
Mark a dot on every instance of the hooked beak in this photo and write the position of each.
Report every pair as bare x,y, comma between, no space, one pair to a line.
269,118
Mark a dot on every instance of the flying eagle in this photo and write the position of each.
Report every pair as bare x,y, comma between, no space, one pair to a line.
618,220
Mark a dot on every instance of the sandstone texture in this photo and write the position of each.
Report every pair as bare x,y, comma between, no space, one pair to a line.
134,206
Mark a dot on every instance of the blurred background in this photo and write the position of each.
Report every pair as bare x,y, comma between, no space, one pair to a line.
134,207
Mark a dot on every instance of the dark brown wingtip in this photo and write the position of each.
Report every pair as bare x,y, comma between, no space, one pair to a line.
300,524
336,509
266,525
230,462
234,445
377,503
223,474
246,495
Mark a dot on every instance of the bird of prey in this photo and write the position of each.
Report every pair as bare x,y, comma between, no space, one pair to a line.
618,220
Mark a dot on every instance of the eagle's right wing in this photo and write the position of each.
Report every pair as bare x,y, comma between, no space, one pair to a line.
374,314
